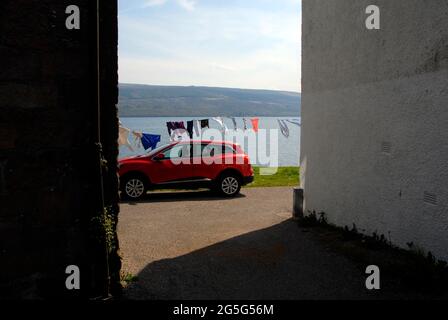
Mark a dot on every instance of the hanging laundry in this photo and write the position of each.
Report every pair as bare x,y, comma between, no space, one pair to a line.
235,127
137,139
296,122
220,120
190,125
150,141
244,124
180,135
175,125
205,124
224,125
123,138
196,128
137,135
283,128
255,122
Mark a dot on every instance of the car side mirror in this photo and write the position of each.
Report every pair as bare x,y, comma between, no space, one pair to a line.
159,157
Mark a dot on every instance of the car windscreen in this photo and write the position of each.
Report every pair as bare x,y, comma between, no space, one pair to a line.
157,150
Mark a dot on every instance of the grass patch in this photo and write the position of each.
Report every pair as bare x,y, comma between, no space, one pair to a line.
127,278
284,177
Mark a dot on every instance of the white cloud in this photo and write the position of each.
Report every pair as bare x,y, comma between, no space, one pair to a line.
153,3
230,47
218,66
189,5
277,68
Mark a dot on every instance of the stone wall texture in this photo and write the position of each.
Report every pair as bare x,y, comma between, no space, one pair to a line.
375,118
49,163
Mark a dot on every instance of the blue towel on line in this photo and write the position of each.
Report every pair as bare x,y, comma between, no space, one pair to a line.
150,141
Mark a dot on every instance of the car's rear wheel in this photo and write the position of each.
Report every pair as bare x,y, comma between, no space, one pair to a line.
133,187
228,185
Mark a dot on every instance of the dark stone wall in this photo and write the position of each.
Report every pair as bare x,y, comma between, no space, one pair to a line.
49,162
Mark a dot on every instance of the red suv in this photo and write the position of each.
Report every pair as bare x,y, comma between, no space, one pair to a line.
220,166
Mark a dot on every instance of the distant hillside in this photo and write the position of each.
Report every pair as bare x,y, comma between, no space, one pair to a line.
148,101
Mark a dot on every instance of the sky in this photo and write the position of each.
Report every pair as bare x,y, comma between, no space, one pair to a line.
250,44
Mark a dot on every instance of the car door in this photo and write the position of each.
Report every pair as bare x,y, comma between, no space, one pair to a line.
174,166
207,160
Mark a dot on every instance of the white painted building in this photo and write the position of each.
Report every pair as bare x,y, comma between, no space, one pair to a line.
374,148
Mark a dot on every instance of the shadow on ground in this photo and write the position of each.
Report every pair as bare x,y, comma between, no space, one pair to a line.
280,262
175,196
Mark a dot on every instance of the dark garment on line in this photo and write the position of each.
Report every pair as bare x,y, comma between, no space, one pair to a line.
205,124
283,128
235,127
190,125
174,125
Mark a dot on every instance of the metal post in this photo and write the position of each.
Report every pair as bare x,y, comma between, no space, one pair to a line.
297,211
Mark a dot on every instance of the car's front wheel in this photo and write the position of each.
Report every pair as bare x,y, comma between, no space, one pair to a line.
133,187
229,185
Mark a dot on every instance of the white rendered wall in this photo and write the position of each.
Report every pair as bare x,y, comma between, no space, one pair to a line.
375,118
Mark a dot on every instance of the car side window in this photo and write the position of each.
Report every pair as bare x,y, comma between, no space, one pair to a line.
211,150
228,150
177,152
